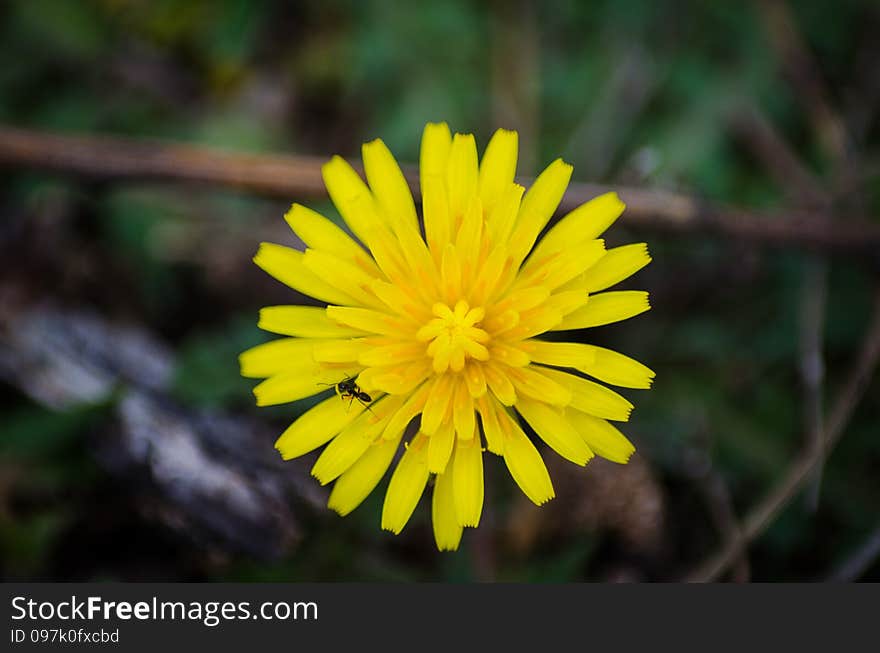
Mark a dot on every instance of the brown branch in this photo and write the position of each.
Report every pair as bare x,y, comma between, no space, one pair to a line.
515,75
831,132
716,495
800,472
803,72
803,189
299,177
106,157
766,144
813,301
860,561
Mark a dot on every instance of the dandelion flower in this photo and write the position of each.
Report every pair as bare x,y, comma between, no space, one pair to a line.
440,329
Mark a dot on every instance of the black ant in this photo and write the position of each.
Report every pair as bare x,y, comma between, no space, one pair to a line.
349,389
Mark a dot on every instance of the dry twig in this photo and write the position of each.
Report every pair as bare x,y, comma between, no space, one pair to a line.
298,177
860,561
760,517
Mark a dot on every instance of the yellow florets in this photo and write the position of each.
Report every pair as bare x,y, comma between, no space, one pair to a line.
441,332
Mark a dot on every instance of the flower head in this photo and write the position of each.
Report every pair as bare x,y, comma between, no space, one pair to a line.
433,342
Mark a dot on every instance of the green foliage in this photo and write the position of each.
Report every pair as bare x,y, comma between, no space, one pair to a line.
42,456
633,92
35,434
207,365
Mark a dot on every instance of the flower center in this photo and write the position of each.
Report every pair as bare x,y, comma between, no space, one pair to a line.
455,335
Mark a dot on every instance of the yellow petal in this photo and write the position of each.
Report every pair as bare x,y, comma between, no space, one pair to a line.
554,428
362,477
473,349
563,266
403,352
396,380
434,153
407,485
469,239
277,356
616,368
498,167
501,322
500,384
345,449
410,408
508,354
591,397
447,530
475,379
369,320
524,462
437,405
489,274
317,232
487,407
344,276
522,299
378,235
340,351
602,437
372,378
534,322
538,206
568,301
350,194
435,207
316,427
559,354
440,448
433,161
502,217
303,321
300,383
586,222
354,440
467,476
286,265
463,410
423,271
389,185
605,308
462,173
400,300
450,274
532,382
618,264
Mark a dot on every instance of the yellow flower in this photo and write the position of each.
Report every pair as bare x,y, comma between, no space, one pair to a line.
440,333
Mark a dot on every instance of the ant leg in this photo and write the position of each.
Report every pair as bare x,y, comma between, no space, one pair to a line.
365,405
335,387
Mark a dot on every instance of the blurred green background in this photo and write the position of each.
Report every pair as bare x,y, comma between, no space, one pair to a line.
635,93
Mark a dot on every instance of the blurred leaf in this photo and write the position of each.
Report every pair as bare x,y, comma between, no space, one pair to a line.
25,544
130,219
37,433
560,566
72,29
207,372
